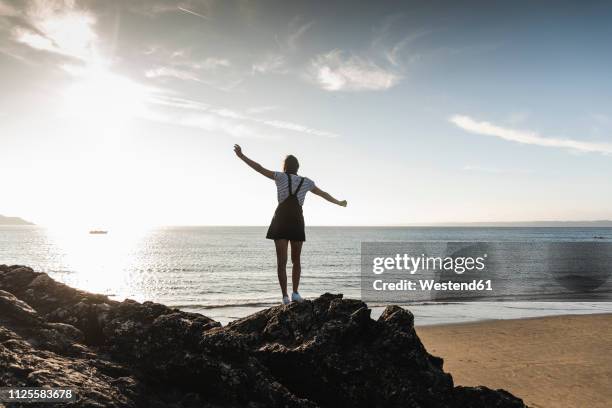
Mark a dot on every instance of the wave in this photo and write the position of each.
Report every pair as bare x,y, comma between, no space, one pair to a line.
253,304
538,297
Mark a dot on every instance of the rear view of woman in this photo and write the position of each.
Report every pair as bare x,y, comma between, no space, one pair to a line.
287,225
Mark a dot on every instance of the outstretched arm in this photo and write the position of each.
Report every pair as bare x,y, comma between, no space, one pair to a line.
253,164
328,197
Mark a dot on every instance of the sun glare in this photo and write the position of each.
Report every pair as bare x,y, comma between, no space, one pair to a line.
97,112
100,96
101,263
72,33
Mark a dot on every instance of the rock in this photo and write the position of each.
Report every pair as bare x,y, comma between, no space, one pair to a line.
17,310
327,352
483,397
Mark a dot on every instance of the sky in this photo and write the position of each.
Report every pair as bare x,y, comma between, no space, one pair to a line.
125,112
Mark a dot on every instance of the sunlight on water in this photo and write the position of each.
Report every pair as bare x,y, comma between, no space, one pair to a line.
101,263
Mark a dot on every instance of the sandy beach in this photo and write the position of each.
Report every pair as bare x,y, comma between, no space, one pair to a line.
550,362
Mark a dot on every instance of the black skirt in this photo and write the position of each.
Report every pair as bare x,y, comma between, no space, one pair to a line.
288,220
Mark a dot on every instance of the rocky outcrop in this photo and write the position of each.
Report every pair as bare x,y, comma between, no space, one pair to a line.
327,352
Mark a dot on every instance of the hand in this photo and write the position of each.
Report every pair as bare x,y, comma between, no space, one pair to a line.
238,150
342,203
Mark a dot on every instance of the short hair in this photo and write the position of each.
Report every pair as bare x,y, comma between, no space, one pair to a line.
291,164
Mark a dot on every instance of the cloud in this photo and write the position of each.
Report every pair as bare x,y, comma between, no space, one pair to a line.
271,64
161,72
334,72
279,124
211,63
527,137
183,9
13,54
182,58
58,27
155,8
295,36
394,54
177,102
179,65
7,10
34,40
234,116
207,122
178,111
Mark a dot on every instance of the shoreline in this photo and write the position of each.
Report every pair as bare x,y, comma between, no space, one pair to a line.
553,361
434,315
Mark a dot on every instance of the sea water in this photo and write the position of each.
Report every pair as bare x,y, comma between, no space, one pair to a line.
230,272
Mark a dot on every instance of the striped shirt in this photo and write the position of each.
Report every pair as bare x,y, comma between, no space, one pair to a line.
282,186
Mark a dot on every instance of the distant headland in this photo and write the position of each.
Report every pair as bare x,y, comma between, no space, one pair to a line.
13,221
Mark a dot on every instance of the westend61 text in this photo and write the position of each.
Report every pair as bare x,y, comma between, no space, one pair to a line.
430,284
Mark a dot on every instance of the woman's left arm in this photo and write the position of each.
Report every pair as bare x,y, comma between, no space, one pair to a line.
253,164
316,190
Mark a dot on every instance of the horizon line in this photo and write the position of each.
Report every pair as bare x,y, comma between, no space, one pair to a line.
549,223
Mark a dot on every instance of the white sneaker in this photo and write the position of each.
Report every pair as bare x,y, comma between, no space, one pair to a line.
286,300
295,297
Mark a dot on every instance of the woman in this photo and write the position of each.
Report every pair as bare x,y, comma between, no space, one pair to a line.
288,223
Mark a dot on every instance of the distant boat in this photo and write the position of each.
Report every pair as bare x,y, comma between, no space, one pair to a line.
98,232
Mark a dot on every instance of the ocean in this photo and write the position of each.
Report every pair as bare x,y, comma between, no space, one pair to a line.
229,272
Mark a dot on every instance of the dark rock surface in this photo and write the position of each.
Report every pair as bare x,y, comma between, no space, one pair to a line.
327,352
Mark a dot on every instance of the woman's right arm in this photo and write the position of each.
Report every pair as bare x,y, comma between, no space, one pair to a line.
253,164
328,197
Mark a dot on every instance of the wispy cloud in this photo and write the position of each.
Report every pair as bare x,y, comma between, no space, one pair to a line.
182,58
185,10
161,72
179,64
207,122
270,64
211,63
187,71
234,116
335,72
394,54
176,111
284,125
156,8
295,36
527,137
7,9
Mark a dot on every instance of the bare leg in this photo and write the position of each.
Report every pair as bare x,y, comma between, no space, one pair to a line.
281,263
296,270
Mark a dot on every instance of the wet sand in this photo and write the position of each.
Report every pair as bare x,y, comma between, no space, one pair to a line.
549,362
